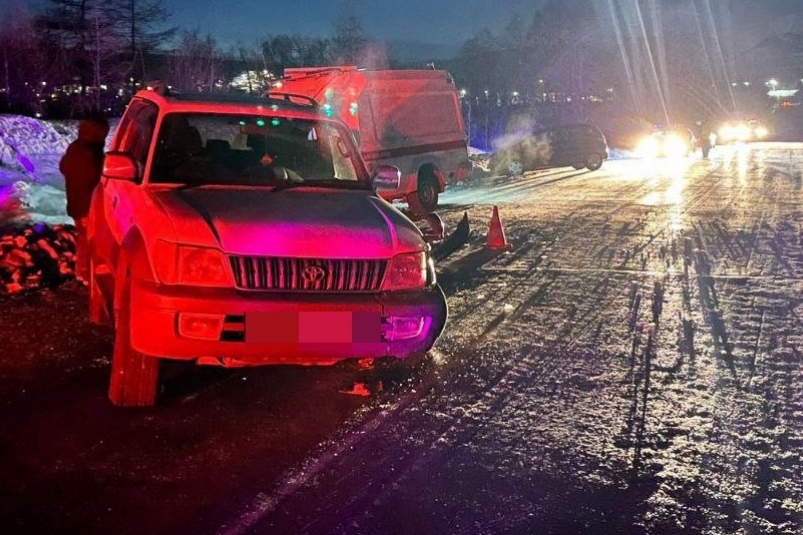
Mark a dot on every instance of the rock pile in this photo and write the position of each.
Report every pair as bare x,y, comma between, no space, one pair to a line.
37,256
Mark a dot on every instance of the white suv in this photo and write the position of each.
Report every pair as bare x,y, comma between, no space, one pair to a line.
243,231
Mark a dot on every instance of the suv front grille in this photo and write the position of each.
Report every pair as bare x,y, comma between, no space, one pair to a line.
307,274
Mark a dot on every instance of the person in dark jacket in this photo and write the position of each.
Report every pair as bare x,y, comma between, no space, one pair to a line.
81,166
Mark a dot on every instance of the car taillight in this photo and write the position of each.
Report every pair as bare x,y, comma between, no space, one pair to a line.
407,271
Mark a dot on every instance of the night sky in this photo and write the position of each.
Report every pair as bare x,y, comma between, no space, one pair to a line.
430,21
433,21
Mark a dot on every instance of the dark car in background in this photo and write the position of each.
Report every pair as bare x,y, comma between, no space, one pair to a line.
578,145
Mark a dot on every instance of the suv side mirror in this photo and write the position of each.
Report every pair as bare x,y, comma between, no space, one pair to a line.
386,177
120,166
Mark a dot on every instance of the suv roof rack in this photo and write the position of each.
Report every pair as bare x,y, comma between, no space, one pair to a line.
239,98
287,97
305,72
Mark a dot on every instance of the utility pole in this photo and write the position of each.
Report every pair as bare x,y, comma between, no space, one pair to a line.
7,86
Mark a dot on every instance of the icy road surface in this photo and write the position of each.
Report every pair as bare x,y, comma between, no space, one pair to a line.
633,366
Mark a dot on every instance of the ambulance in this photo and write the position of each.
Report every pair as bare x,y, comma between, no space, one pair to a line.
409,119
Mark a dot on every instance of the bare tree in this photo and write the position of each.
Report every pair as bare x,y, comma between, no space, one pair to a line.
103,46
196,65
138,20
23,59
349,42
82,42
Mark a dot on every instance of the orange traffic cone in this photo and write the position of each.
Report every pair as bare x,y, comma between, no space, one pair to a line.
496,234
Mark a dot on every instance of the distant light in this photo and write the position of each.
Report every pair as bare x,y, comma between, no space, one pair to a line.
782,93
260,122
275,121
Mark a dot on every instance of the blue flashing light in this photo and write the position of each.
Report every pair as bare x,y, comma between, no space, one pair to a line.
328,111
260,122
275,121
353,108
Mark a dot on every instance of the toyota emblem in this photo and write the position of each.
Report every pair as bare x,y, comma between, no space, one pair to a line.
313,274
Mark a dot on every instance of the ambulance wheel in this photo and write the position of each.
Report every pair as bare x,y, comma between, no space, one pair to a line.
425,198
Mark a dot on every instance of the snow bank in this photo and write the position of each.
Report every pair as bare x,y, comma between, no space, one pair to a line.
31,186
23,137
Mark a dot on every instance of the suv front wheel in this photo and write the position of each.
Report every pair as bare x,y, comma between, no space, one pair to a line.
135,377
593,162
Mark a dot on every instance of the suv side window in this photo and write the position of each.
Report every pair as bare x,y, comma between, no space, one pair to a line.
561,136
136,130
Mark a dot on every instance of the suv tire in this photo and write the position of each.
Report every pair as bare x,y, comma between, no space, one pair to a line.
425,198
135,377
593,162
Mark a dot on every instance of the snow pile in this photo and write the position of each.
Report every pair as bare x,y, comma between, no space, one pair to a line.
37,256
24,202
23,137
31,186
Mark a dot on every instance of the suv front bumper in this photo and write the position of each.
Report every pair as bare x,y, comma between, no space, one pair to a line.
248,328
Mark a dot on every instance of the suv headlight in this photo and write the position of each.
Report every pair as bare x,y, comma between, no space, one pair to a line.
409,271
195,266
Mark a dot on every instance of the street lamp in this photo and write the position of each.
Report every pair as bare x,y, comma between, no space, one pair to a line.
463,93
773,84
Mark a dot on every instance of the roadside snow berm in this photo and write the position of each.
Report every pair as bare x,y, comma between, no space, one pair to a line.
496,234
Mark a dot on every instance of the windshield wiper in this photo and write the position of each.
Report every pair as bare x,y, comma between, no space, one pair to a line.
190,185
330,183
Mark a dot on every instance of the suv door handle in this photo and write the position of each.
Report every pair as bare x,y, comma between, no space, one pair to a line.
114,202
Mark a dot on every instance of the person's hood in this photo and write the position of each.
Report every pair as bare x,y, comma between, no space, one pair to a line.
290,223
93,131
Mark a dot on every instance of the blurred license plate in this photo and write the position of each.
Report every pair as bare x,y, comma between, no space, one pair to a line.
311,327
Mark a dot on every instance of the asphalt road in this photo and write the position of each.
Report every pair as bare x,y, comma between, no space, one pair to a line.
633,364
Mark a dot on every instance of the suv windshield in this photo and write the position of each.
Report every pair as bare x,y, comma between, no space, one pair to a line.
253,150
